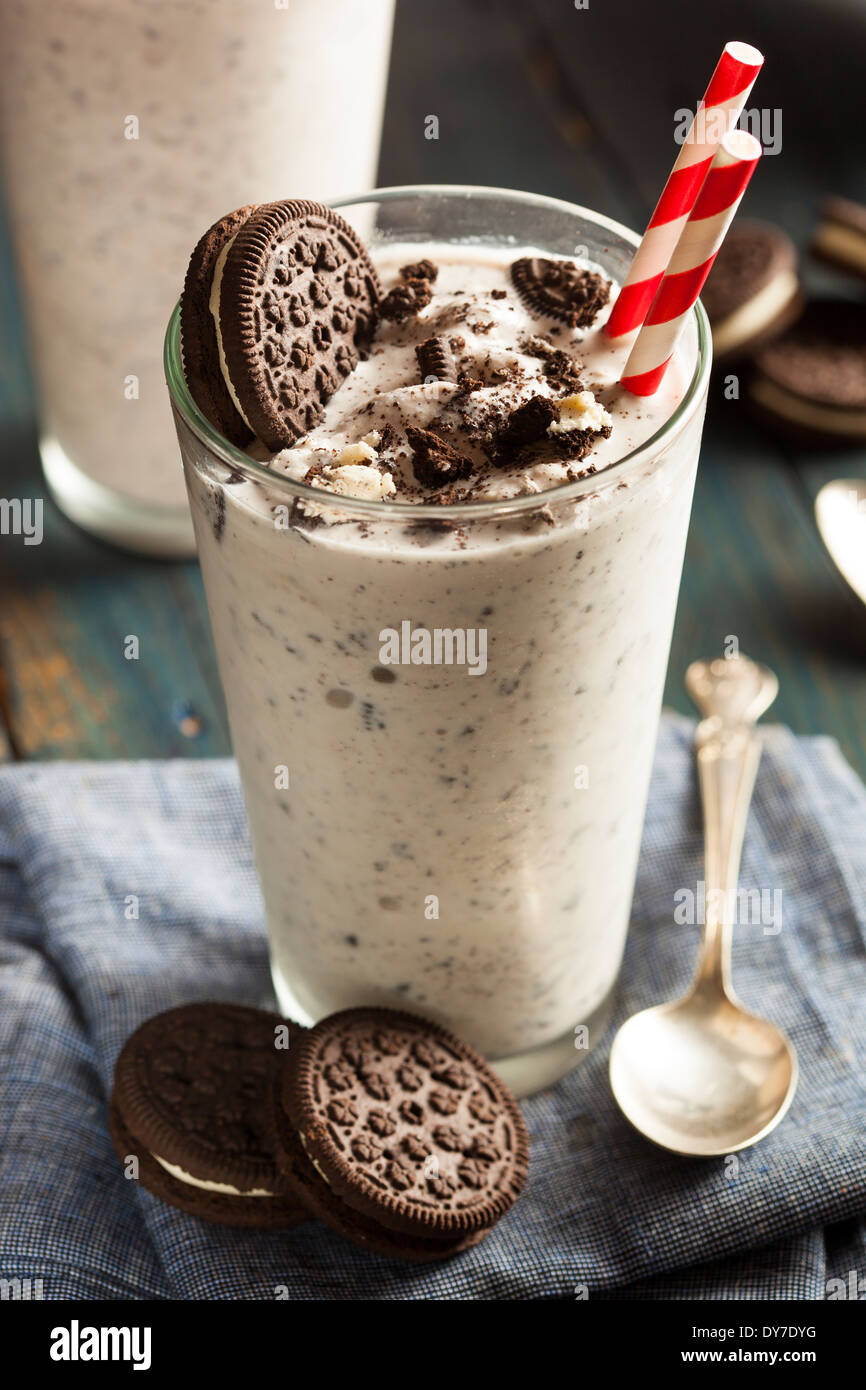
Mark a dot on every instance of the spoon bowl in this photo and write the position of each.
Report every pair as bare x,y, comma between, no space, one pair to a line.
702,1076
840,511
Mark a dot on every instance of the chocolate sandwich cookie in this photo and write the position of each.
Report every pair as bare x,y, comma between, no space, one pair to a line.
560,290
840,239
753,291
202,350
397,1134
192,1103
280,302
810,384
298,305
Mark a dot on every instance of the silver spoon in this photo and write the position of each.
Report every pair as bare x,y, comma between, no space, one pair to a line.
840,511
702,1075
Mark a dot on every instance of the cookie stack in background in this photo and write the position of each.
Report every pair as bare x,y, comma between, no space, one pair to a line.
381,1124
803,359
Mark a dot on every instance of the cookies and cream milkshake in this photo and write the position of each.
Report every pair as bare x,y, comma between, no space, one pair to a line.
124,126
444,720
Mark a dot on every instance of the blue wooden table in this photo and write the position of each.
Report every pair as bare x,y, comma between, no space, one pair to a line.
522,93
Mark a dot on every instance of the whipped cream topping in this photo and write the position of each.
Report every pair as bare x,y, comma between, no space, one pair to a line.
502,353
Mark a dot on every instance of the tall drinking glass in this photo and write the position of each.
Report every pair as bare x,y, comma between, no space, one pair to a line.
431,837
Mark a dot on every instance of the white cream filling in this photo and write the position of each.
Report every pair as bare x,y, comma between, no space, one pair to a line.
756,313
842,242
355,480
183,1176
580,412
831,419
352,473
317,1166
214,305
361,453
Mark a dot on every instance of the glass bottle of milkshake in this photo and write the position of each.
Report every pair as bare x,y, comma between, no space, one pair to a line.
444,697
124,125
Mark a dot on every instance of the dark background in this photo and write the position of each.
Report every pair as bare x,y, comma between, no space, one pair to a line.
574,103
579,104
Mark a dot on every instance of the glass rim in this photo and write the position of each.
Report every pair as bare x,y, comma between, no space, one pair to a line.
235,458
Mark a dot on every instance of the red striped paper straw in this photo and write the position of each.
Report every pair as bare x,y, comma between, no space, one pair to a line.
717,114
735,162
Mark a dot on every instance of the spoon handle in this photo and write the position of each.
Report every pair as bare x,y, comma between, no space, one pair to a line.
728,757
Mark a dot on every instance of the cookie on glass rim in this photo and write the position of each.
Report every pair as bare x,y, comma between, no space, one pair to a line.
279,304
203,362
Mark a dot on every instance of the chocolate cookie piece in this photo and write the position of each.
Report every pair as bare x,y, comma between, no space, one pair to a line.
840,239
297,308
420,270
387,1120
560,290
467,385
561,370
810,384
753,291
389,442
406,300
192,1091
435,359
198,331
434,462
526,424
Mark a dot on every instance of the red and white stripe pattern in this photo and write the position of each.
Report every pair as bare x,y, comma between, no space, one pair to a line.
692,261
717,114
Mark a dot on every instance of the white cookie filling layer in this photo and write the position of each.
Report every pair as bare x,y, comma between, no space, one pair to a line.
224,1187
756,313
842,243
214,305
580,412
316,1165
828,419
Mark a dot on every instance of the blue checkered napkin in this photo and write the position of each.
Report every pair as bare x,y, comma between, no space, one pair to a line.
128,888
67,1225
